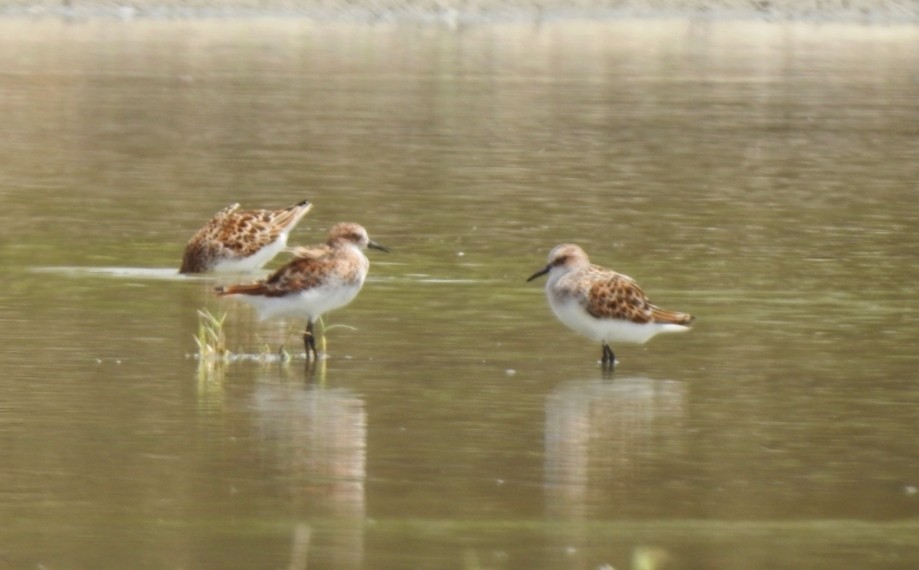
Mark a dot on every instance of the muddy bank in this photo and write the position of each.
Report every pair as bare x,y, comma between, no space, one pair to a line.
457,12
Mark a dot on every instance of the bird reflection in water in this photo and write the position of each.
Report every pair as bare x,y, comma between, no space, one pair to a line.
601,437
317,437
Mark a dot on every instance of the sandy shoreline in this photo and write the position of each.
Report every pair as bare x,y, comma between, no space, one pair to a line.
457,12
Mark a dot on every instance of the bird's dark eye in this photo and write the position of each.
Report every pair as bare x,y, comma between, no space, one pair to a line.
561,260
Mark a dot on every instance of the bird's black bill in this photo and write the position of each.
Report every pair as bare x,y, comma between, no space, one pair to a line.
539,273
374,245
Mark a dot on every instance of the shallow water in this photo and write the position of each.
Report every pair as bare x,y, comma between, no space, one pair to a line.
759,176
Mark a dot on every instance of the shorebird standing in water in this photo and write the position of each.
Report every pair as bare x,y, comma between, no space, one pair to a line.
319,279
237,241
603,305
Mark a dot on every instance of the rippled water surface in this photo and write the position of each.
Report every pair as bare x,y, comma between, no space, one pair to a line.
760,176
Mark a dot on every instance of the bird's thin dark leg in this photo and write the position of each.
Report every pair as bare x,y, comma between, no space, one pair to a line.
309,341
608,359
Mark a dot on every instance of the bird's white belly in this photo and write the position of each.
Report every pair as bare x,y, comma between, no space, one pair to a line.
611,331
255,261
310,304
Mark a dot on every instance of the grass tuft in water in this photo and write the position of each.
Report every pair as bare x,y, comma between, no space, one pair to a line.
212,344
211,340
325,328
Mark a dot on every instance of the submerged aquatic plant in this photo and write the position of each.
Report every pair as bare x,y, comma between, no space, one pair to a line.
212,344
211,340
325,328
267,355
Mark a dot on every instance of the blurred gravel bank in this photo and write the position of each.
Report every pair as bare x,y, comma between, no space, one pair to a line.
460,12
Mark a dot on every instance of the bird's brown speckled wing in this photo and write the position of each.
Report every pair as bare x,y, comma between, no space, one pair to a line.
616,296
674,317
232,234
301,274
244,233
201,249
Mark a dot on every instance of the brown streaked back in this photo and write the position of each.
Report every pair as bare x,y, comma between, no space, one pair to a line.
618,297
233,234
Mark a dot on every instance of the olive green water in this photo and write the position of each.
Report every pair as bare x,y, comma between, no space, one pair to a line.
762,177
